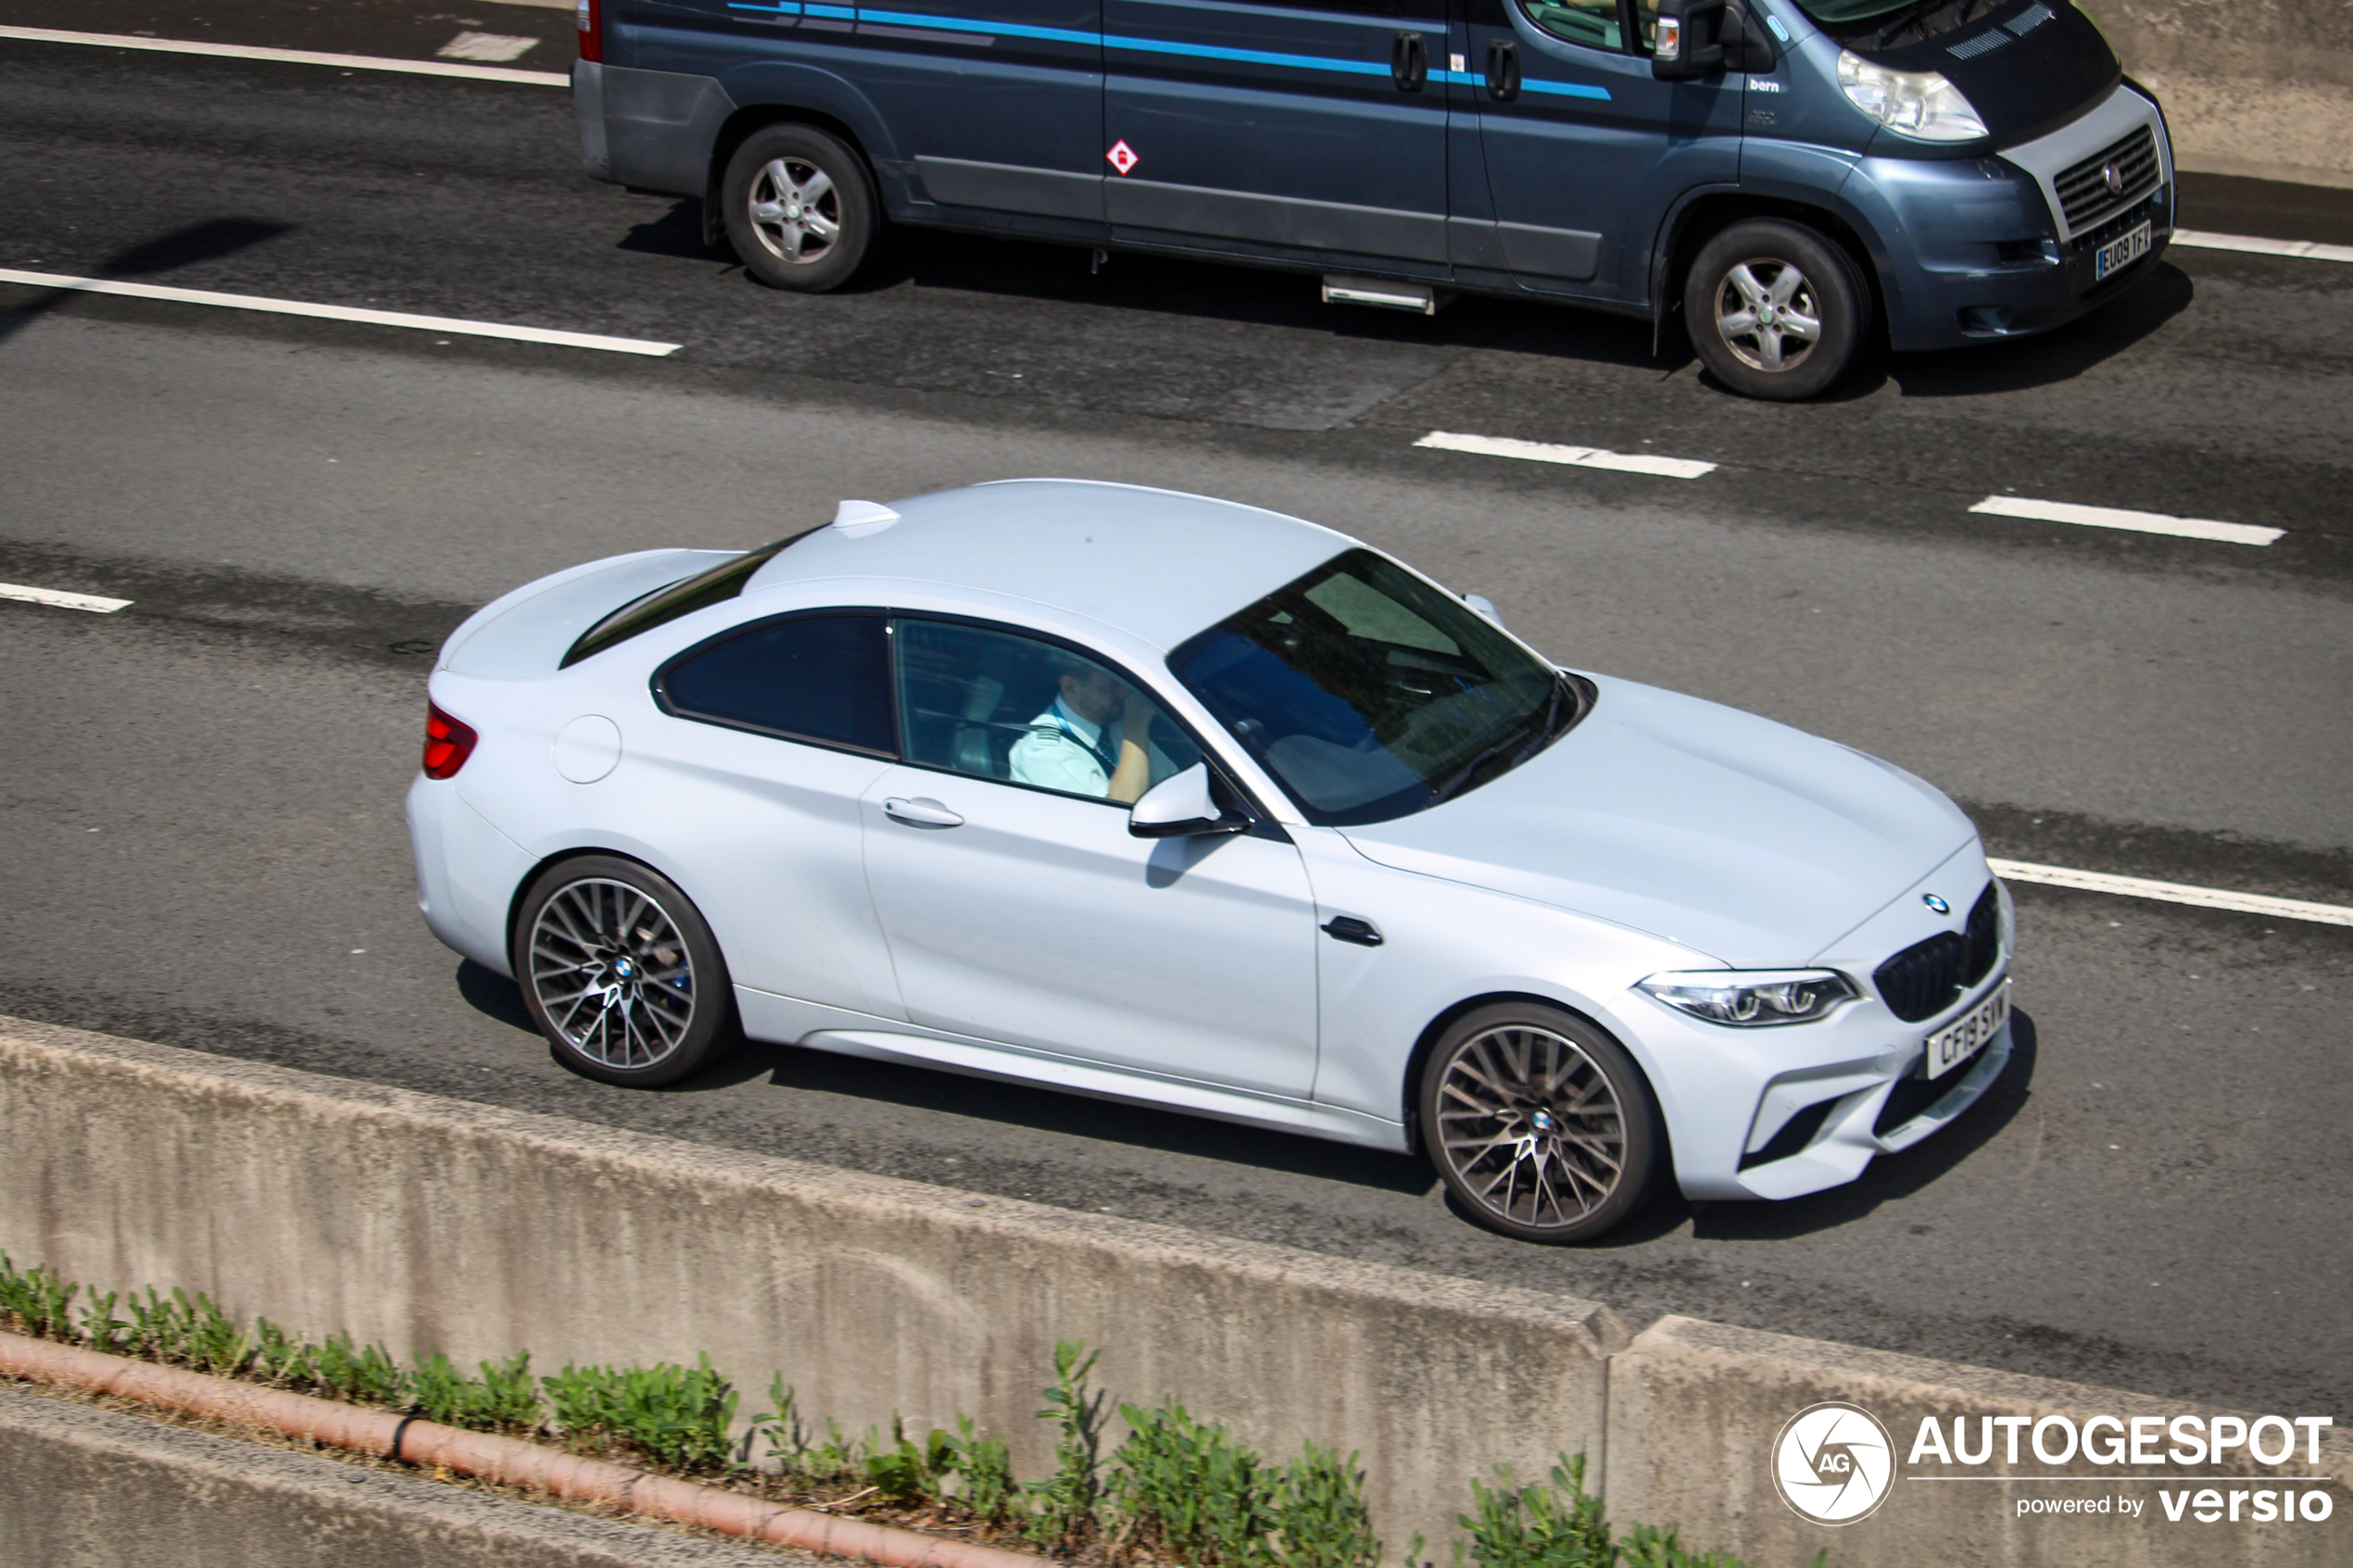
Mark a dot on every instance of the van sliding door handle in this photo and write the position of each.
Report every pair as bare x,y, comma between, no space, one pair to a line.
1408,62
1503,70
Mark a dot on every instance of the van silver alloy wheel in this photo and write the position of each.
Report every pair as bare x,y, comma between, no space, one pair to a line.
794,209
1765,308
1531,1126
612,974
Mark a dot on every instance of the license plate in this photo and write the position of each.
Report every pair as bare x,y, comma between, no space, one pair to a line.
1956,1042
2124,253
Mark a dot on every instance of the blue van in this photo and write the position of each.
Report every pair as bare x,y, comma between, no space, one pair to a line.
1784,174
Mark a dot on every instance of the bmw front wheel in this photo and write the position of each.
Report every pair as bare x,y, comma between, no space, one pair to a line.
1540,1125
620,974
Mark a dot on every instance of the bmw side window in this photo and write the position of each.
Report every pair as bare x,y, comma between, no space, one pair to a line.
997,705
821,678
1597,24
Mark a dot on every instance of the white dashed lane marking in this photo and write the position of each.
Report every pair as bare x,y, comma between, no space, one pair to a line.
1572,457
291,56
454,325
486,46
2117,517
2174,892
2310,250
96,603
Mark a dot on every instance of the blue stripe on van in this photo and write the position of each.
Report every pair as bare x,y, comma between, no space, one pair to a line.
1157,46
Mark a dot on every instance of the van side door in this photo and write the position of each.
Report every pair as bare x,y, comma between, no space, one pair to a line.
1310,129
997,106
1585,149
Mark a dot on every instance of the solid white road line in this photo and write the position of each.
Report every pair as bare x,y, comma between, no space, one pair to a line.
91,602
342,313
2311,250
1574,457
2117,517
292,57
2174,892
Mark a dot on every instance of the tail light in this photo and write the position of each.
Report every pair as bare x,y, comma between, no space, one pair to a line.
448,743
591,22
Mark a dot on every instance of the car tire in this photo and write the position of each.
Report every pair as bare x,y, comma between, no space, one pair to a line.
1774,310
620,973
1540,1125
799,209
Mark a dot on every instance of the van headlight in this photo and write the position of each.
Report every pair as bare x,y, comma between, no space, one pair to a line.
1754,998
1918,104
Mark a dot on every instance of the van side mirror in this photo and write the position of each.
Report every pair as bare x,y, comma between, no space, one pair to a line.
1181,805
1684,47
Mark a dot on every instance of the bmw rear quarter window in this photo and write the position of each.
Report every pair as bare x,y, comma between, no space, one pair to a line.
824,678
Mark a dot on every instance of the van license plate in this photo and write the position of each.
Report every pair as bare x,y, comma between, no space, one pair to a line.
1953,1045
2123,253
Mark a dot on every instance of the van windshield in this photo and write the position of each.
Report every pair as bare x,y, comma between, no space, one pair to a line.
1842,13
1370,694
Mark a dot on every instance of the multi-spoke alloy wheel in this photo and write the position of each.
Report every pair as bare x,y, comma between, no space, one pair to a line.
620,972
799,209
1539,1124
1774,310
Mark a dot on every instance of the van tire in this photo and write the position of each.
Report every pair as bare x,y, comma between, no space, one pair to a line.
1746,285
808,246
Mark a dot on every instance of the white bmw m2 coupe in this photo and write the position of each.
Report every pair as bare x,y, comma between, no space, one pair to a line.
1169,801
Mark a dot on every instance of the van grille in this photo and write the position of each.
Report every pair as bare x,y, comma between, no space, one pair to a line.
1926,978
2083,193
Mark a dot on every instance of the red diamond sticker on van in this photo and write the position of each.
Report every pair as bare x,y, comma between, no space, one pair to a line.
1123,157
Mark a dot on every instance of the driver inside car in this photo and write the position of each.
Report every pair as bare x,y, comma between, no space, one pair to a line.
1094,738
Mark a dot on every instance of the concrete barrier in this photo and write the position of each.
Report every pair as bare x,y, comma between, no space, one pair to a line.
437,1224
83,1487
1695,1409
2254,87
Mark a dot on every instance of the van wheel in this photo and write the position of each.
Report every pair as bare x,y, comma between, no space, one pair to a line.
1773,309
801,211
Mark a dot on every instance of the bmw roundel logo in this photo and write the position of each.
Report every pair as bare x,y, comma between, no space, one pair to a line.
1933,902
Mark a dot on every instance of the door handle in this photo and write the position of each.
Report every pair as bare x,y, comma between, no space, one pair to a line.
921,813
1348,928
1408,62
1503,70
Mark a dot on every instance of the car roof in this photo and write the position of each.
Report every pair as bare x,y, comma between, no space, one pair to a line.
1158,564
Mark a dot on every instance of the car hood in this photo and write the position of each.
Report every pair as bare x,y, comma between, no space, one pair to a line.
1743,838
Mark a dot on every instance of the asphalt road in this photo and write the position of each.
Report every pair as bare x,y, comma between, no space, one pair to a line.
200,805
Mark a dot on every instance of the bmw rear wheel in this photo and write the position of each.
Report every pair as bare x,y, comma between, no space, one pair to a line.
1773,309
620,974
1540,1125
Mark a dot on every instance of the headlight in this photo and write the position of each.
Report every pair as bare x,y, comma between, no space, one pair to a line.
1754,998
1920,104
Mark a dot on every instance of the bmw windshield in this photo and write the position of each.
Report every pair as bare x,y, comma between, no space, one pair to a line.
1370,695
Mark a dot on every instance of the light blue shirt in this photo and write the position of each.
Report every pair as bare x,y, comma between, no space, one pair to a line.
1059,753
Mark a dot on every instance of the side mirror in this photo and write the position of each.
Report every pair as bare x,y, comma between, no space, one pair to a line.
1181,805
1484,606
1684,49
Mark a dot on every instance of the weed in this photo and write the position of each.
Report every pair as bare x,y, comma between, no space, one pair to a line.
984,1477
210,1341
368,1376
1063,1504
1189,1491
281,1360
1647,1548
504,1397
101,1330
1536,1525
38,1299
1320,1513
909,1472
673,1415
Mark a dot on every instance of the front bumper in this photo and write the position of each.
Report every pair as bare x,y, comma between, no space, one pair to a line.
1785,1112
1982,248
